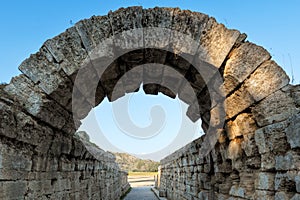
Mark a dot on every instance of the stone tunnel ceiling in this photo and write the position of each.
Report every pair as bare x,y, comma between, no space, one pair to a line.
226,80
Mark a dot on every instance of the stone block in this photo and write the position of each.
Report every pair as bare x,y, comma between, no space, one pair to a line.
286,182
293,131
241,63
275,108
258,87
265,181
281,196
243,125
162,193
37,103
295,197
268,161
237,102
216,43
264,195
272,138
234,149
13,189
67,50
289,161
237,191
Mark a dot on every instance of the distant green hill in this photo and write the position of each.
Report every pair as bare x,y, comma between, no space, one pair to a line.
130,163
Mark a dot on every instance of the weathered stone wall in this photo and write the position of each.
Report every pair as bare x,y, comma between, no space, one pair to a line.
40,162
257,156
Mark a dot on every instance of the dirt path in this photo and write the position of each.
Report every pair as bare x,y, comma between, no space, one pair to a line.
141,188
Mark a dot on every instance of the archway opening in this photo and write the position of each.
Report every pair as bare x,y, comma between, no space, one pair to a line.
147,126
145,71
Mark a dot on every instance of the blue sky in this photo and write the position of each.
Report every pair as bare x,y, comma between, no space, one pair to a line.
25,25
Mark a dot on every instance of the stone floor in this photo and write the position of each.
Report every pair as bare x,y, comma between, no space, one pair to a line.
141,188
141,193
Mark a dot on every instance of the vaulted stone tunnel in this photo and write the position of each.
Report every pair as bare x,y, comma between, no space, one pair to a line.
249,111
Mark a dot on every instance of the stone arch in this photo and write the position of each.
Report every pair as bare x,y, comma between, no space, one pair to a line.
246,108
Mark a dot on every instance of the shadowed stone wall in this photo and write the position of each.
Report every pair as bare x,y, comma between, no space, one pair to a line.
253,159
249,112
38,161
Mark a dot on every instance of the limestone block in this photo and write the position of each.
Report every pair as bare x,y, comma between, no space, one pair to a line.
254,162
234,149
43,71
238,101
289,161
93,31
286,181
13,189
152,78
40,187
275,108
65,165
243,125
297,180
8,123
126,18
37,103
39,163
190,23
187,93
295,94
193,112
241,63
265,80
12,174
126,26
295,197
293,131
16,124
268,161
132,77
216,43
282,196
15,158
86,83
52,164
31,132
151,89
67,50
157,24
265,181
264,195
171,80
237,191
272,138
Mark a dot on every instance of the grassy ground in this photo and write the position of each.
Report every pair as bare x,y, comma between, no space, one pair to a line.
142,173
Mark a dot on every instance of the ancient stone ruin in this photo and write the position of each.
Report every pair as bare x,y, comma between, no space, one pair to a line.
252,142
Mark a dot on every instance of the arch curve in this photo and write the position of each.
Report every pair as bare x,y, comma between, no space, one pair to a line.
242,96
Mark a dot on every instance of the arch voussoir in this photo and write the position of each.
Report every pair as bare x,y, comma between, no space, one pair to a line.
242,61
38,104
249,112
265,80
